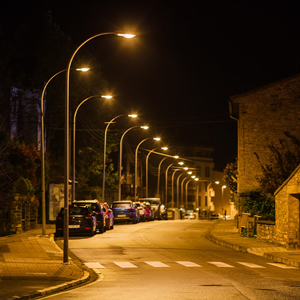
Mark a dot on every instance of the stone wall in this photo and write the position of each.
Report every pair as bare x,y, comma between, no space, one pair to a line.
266,231
264,115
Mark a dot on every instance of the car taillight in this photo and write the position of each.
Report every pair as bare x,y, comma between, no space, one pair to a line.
88,217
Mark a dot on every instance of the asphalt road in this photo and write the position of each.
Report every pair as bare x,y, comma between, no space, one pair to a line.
174,260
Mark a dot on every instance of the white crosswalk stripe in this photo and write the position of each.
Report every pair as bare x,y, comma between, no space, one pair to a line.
220,264
188,264
251,265
282,266
94,265
157,264
125,264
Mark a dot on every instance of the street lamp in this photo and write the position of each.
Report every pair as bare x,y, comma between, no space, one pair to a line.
136,163
147,158
104,151
166,180
158,178
43,149
121,150
74,134
223,187
67,142
183,180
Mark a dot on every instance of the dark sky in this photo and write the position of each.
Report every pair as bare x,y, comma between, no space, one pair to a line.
187,59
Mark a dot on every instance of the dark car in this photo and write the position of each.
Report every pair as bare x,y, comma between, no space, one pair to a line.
97,209
124,211
82,220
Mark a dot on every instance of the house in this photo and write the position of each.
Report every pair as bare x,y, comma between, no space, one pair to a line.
263,116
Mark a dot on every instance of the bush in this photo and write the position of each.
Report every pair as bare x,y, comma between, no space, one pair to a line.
23,187
258,202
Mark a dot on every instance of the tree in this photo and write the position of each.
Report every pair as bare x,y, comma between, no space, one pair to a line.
230,178
284,159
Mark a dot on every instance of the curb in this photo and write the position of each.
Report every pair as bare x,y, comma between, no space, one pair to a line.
217,241
54,289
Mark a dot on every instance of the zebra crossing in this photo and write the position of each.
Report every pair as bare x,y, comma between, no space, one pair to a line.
187,264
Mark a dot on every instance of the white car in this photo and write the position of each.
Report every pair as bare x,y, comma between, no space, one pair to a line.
140,207
190,216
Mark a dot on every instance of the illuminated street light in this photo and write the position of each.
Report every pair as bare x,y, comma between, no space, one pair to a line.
136,164
147,158
67,143
104,151
74,135
121,153
43,188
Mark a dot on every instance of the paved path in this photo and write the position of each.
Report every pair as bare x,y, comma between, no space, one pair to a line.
32,265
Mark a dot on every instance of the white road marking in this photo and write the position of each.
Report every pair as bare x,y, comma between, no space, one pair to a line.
283,266
157,264
94,265
188,264
125,264
220,264
250,265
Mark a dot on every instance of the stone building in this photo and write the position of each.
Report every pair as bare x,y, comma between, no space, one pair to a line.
263,115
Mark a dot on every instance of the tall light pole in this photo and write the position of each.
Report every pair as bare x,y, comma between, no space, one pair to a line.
166,180
223,187
74,136
136,164
43,149
67,143
147,159
173,175
183,180
186,191
104,150
121,153
158,177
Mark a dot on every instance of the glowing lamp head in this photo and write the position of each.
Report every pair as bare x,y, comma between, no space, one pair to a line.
132,116
126,35
185,168
164,148
190,172
107,96
181,163
156,139
82,69
144,127
176,156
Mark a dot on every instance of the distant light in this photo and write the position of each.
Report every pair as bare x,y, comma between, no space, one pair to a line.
224,186
164,148
185,168
157,139
217,182
196,179
181,163
176,156
107,96
144,127
190,172
126,35
83,69
193,176
132,116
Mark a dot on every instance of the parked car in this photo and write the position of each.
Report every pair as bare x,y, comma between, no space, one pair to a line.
214,217
148,211
124,211
190,216
97,209
141,209
82,220
109,216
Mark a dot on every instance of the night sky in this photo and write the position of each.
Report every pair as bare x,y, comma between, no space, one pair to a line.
187,59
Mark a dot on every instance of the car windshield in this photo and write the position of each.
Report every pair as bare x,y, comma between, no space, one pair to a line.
92,206
121,205
79,211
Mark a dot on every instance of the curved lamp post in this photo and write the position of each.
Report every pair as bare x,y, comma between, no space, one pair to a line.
166,180
104,150
121,153
67,142
74,135
43,149
136,163
184,169
147,159
183,180
158,177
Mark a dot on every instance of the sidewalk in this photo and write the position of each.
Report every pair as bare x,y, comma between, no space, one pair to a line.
225,233
32,265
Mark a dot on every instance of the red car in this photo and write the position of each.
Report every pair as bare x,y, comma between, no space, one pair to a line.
109,216
148,211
